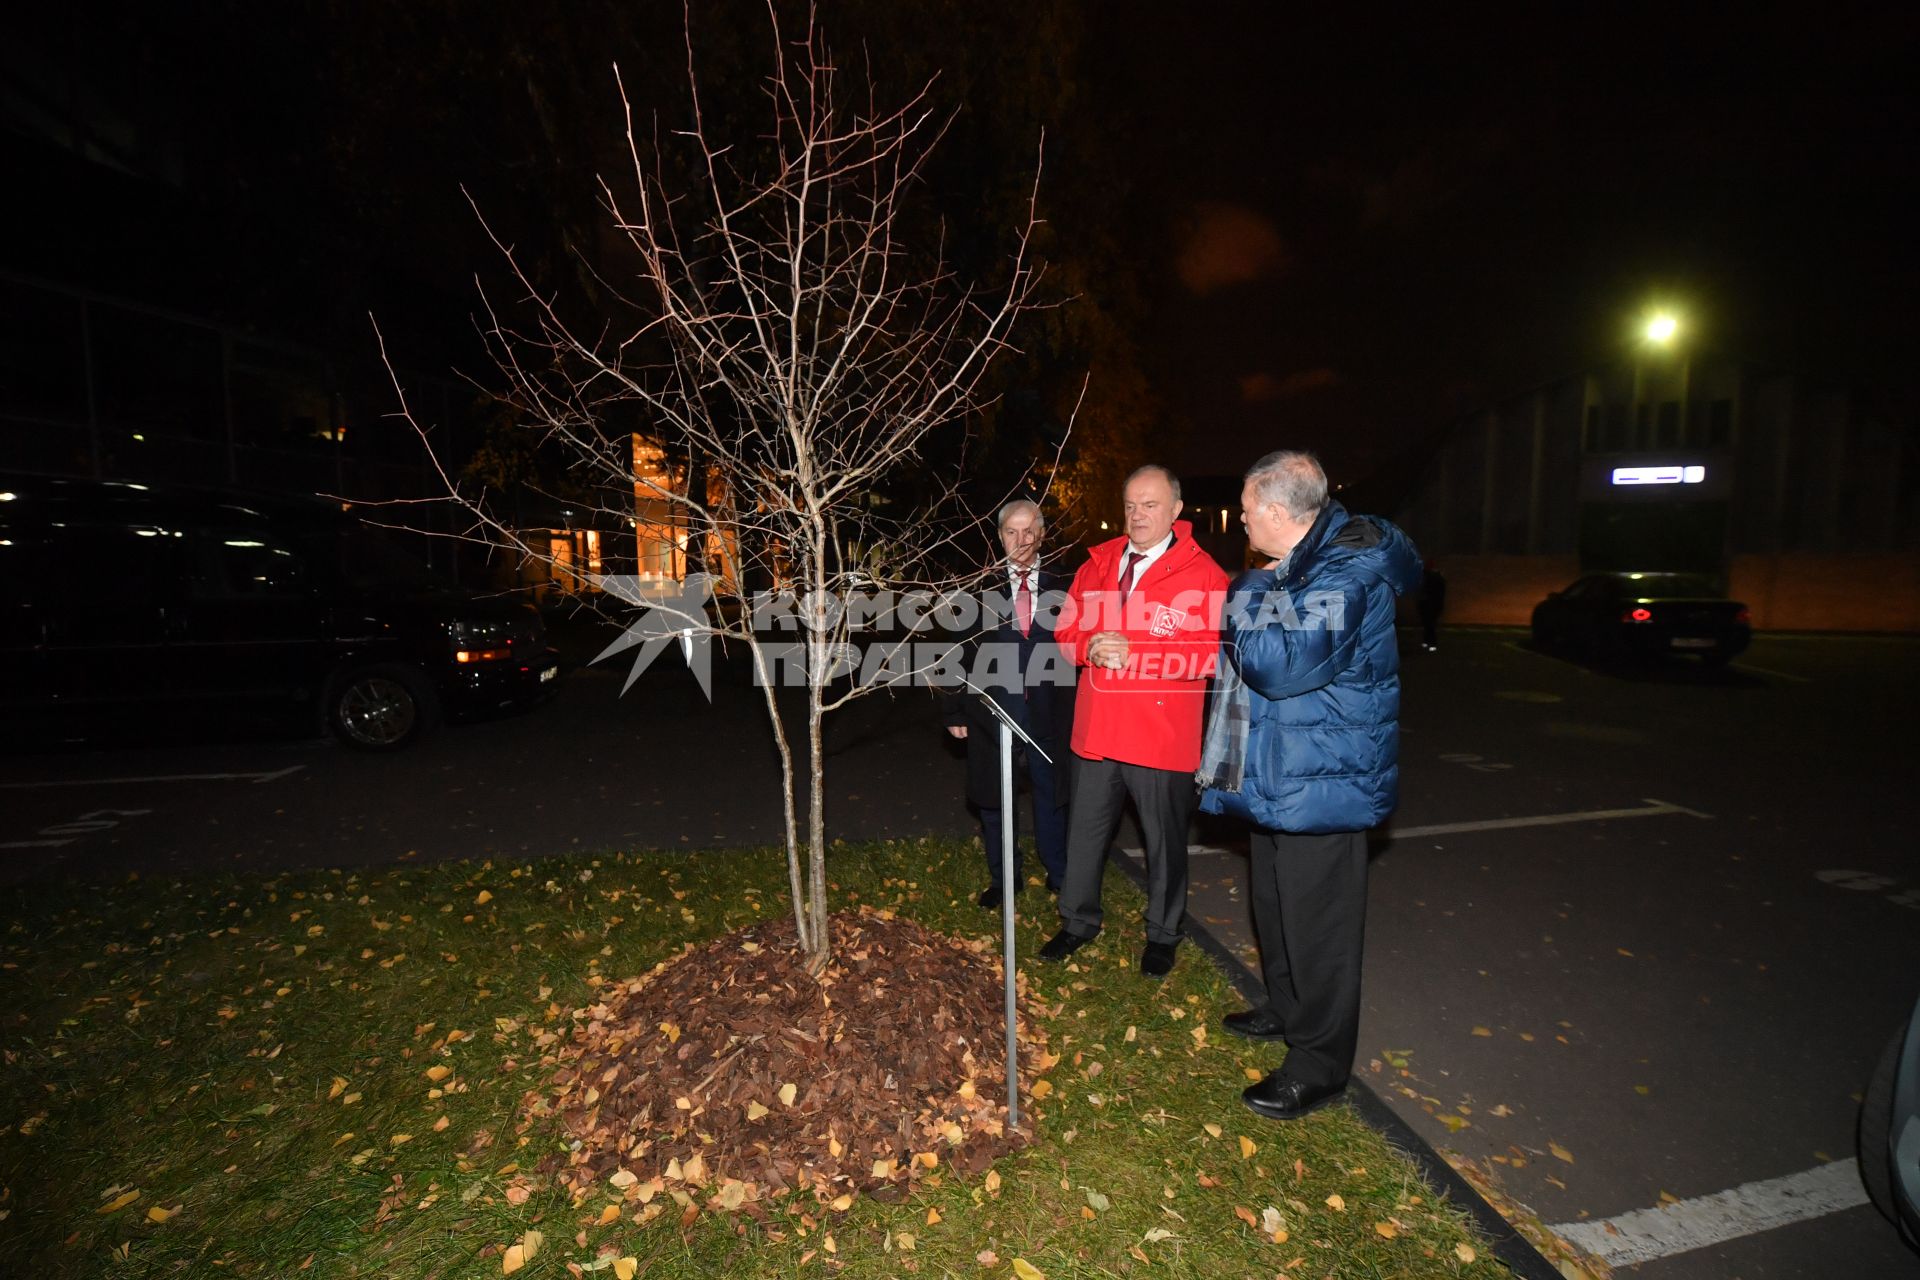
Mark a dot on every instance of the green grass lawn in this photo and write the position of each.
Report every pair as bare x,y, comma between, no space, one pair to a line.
244,1076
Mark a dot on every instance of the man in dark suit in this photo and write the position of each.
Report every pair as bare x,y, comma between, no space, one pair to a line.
1015,660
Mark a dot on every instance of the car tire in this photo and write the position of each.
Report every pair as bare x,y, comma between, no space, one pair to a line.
380,708
1876,1128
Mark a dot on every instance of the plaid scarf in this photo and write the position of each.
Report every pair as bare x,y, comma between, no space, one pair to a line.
1223,751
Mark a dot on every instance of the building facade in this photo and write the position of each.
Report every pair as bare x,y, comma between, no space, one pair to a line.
1800,498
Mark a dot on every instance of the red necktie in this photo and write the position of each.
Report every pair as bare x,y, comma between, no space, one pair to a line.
1023,605
1126,578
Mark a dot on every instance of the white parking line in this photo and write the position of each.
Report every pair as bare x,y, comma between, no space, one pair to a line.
1647,1234
276,775
1654,809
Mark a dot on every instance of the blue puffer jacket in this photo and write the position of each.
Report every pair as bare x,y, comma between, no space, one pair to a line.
1314,642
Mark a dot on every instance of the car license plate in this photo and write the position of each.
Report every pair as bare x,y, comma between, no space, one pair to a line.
1693,642
549,674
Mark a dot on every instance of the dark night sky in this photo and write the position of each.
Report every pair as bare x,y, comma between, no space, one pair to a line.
1399,222
1346,230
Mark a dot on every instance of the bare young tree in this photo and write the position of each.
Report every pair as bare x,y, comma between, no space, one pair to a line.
773,335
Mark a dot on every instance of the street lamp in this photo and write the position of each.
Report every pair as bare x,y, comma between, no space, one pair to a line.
1661,328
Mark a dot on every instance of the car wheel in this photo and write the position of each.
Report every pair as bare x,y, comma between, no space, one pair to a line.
380,708
1876,1128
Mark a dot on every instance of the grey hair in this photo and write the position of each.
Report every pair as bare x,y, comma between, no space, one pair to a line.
1173,481
1023,504
1292,479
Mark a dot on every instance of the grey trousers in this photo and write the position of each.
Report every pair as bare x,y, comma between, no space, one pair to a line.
1163,801
1310,914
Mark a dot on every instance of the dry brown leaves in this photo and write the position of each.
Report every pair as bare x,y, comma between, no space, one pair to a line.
728,1076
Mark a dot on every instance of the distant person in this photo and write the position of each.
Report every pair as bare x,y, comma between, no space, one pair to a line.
1017,663
1302,744
1143,618
1433,602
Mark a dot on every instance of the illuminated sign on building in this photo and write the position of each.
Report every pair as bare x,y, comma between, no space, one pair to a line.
1659,475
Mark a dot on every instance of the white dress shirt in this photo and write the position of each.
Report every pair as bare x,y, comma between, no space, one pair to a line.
1141,566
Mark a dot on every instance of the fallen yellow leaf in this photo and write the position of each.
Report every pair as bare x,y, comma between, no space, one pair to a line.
438,1072
609,1215
788,1092
513,1259
339,1087
992,1181
625,1268
1560,1152
1041,1088
1482,1031
1336,1203
482,898
530,1242
1464,1252
755,1111
399,1138
933,1217
1213,1131
120,1202
157,1214
1247,1147
440,1125
1027,1271
1386,1230
841,1203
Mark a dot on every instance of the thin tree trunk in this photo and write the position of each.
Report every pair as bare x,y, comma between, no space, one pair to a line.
768,686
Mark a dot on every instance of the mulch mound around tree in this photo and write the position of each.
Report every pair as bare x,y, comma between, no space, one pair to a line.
729,1077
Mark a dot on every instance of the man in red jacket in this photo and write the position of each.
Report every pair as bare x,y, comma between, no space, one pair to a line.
1143,617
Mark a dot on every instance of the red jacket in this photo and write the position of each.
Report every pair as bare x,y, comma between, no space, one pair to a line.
1148,712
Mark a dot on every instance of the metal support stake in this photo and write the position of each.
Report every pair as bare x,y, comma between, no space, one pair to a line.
1007,888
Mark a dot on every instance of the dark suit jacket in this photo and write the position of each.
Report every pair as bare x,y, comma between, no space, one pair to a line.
1044,710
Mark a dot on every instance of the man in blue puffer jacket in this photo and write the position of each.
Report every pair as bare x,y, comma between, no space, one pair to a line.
1302,744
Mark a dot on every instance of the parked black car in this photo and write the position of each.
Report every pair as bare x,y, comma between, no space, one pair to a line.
1889,1140
1621,616
122,599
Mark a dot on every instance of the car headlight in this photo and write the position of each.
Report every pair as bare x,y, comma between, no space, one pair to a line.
480,641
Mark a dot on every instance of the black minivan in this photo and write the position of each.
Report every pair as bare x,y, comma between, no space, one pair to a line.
122,599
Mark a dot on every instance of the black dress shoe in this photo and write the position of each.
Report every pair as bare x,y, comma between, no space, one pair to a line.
1157,960
1255,1024
1280,1098
1063,944
991,897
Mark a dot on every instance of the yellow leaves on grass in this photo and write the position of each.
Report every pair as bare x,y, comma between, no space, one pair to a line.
1041,1088
156,1214
1560,1152
933,1217
482,898
1337,1203
121,1199
519,1255
609,1215
1386,1230
992,1182
400,1138
1214,1130
625,1268
1464,1252
339,1087
1247,1147
1027,1271
438,1072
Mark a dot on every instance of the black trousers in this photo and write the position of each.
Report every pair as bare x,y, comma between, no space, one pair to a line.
1163,800
1310,915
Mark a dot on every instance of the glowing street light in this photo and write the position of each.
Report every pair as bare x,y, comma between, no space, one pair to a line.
1661,328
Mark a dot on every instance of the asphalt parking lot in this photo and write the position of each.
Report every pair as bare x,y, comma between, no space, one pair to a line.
1634,937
